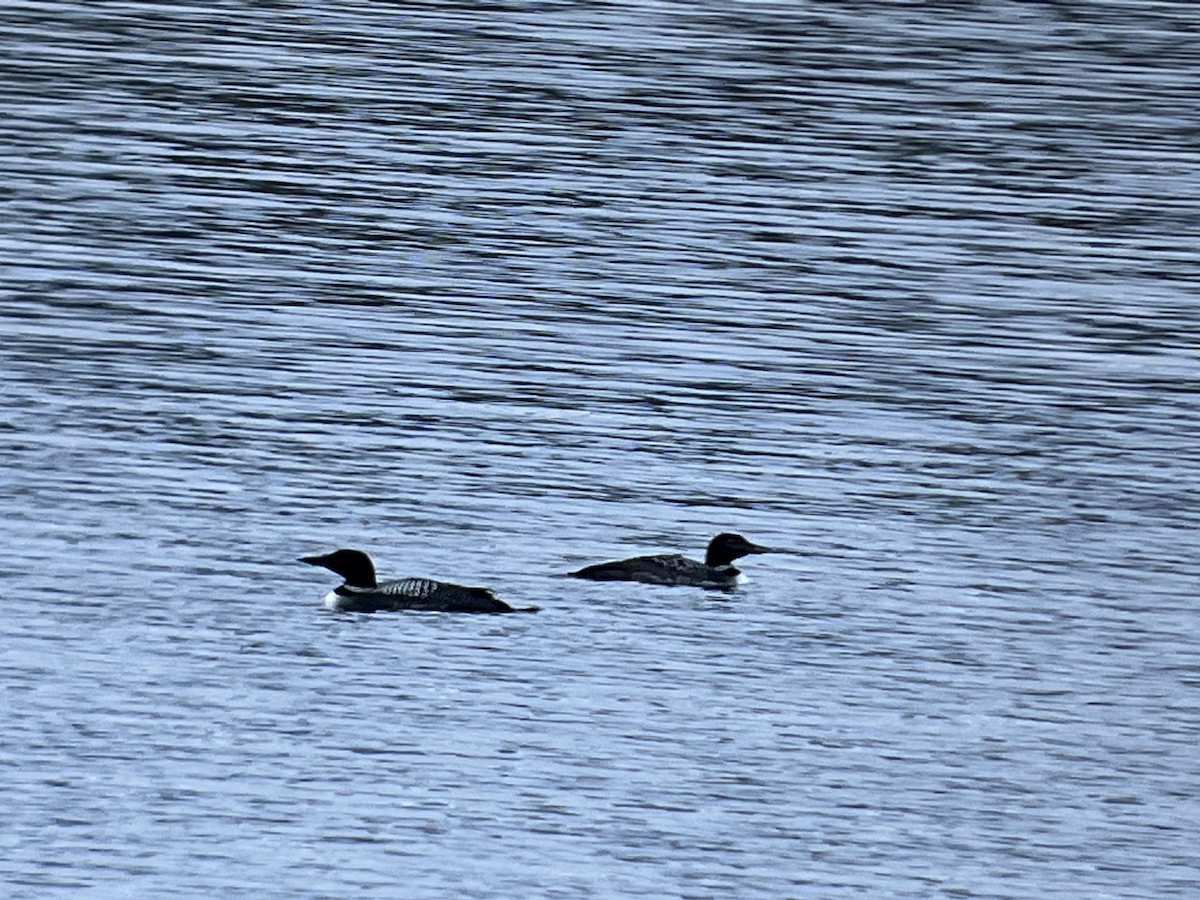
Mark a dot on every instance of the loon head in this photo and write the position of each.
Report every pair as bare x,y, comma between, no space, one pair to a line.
725,548
353,565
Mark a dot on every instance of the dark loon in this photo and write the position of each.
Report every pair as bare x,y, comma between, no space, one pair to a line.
361,593
717,570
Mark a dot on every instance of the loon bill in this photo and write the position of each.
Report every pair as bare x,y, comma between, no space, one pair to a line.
360,592
717,570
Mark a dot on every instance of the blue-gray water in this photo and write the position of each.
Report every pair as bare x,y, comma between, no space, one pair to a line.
908,288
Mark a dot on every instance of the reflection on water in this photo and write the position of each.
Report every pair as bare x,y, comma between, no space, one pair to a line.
493,294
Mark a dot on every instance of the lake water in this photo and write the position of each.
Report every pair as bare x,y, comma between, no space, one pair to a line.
909,289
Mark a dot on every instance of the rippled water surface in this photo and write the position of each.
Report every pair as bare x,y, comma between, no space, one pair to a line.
908,289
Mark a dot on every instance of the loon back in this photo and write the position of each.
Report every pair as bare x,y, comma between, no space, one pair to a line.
668,568
418,593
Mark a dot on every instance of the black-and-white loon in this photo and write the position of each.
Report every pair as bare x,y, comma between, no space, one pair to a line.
362,593
717,570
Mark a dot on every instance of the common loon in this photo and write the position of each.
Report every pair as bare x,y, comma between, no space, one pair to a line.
717,570
361,592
